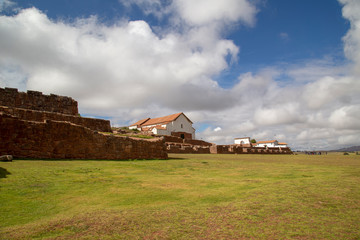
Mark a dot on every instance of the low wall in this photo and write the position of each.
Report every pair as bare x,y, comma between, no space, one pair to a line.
173,139
186,148
238,149
37,101
62,140
185,134
197,142
40,116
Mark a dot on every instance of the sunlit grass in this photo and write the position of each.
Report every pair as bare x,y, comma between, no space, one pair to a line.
185,197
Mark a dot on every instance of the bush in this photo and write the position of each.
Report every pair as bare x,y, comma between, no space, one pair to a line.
346,153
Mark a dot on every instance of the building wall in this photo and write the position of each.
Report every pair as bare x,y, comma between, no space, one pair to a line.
37,101
186,127
245,140
272,144
63,140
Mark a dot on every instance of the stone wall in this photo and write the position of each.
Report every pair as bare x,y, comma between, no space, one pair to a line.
37,101
186,148
178,145
173,139
63,140
185,134
40,116
197,142
238,149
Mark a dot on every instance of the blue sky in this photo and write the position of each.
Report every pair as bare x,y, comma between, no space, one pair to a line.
264,69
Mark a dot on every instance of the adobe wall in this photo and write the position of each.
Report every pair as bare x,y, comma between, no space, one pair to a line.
62,140
37,101
40,116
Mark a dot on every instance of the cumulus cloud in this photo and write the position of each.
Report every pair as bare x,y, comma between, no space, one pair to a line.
200,12
129,71
5,4
120,66
203,12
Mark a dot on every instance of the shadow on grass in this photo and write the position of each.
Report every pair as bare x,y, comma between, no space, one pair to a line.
3,172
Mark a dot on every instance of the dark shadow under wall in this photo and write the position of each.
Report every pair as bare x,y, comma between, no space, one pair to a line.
3,172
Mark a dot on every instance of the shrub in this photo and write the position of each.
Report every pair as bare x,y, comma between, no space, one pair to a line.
346,153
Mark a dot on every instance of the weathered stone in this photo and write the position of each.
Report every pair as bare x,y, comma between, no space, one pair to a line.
37,101
6,158
63,140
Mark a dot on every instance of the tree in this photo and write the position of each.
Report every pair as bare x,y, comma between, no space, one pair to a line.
253,141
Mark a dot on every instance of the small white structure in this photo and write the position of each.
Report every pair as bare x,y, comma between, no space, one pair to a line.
242,141
272,143
173,125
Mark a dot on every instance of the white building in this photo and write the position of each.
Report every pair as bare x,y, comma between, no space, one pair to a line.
173,125
242,141
272,143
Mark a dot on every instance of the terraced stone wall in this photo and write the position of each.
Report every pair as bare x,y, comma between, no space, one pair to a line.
63,140
35,100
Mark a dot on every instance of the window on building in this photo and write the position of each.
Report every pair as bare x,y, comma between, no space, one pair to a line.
181,126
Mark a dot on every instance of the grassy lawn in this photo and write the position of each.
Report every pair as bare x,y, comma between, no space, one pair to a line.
186,197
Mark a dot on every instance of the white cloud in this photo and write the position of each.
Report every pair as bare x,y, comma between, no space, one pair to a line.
128,71
6,4
203,12
217,129
200,12
282,114
120,66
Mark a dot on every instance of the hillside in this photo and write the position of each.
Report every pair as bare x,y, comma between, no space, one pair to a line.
348,149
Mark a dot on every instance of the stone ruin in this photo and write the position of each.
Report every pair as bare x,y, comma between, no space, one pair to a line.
34,125
179,145
38,126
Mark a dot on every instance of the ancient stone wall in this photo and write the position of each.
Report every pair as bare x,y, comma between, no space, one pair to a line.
185,134
238,149
186,148
173,139
62,140
40,116
197,142
37,101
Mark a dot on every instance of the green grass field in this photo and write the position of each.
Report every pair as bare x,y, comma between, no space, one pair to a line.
185,197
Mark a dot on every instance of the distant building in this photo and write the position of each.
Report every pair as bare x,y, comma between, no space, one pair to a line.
242,141
173,125
272,143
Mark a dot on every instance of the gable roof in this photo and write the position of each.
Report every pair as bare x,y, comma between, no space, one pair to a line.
142,121
272,141
160,120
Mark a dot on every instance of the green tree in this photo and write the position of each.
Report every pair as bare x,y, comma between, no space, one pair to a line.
253,141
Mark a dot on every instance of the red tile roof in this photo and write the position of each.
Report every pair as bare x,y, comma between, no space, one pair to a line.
160,120
142,121
159,127
271,141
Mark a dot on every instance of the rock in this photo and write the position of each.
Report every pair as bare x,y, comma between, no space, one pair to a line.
6,158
